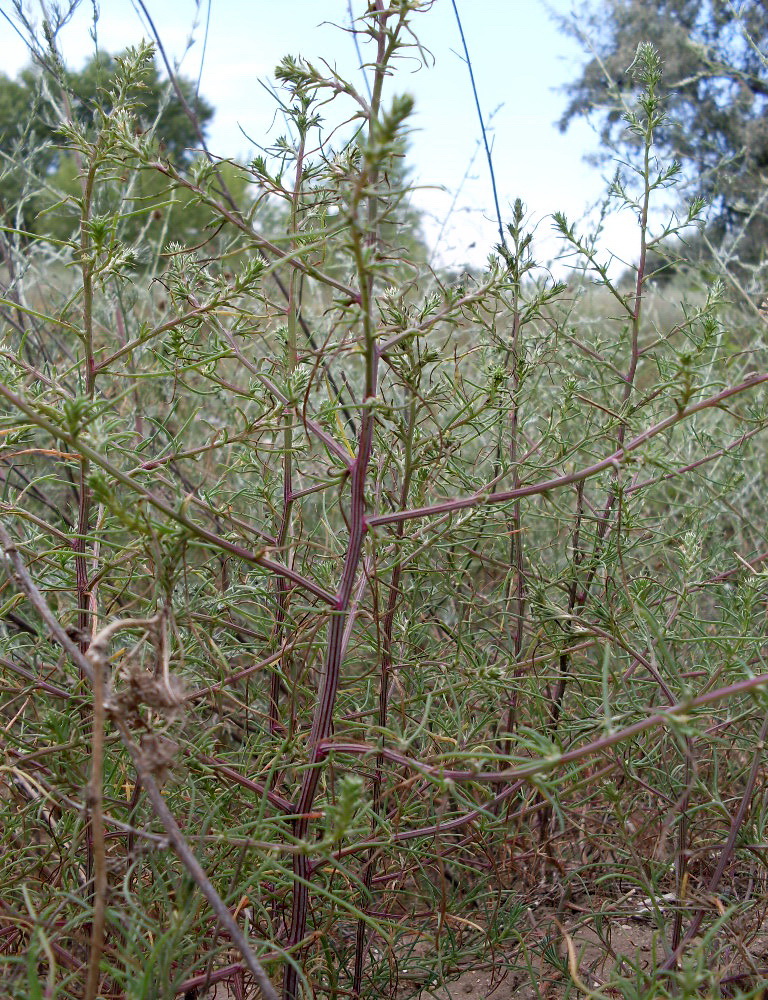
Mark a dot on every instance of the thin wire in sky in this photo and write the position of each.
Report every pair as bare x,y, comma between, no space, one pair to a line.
482,126
205,47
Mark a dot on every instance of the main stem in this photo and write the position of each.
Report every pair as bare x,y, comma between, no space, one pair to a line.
384,682
363,237
282,583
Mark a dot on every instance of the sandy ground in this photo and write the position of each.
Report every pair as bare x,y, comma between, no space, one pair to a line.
635,941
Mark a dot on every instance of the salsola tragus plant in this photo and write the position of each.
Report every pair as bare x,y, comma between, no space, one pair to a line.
362,624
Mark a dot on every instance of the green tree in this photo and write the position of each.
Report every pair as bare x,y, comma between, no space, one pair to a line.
159,106
37,169
716,86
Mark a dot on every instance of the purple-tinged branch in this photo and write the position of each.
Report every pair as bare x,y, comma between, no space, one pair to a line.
536,489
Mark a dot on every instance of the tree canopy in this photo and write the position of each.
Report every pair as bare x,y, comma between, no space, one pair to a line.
716,78
33,106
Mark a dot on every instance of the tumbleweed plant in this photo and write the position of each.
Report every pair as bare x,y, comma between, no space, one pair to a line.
363,624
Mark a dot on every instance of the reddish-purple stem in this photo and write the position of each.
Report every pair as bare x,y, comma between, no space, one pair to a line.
613,460
663,717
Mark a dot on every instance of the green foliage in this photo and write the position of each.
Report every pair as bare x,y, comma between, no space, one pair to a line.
715,90
361,626
40,165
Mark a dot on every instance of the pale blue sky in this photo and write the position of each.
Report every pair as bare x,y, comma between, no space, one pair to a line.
519,56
